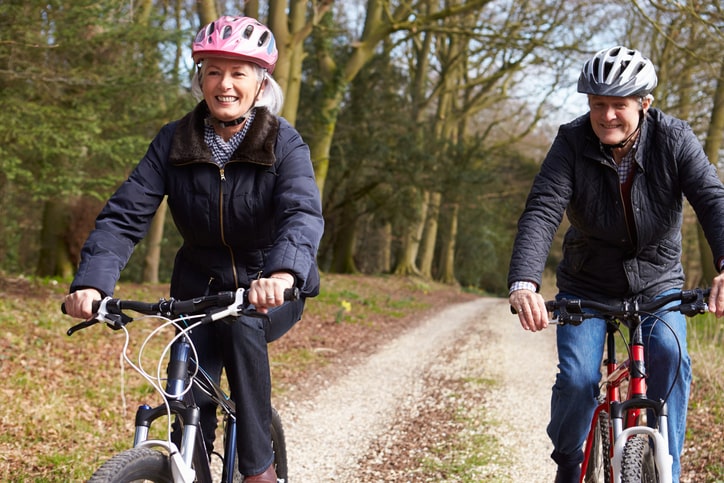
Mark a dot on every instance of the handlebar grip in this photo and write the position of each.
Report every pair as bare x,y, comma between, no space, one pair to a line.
291,294
96,305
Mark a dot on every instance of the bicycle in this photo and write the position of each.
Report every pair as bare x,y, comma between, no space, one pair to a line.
184,459
640,450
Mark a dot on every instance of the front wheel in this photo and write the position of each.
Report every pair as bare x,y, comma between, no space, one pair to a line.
599,461
135,465
638,465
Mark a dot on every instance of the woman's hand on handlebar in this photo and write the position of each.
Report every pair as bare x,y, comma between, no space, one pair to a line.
79,304
531,309
716,296
265,293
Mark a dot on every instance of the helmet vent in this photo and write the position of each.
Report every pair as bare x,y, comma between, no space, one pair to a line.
263,39
226,33
248,31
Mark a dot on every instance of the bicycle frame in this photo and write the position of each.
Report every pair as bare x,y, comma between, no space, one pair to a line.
633,408
189,461
192,448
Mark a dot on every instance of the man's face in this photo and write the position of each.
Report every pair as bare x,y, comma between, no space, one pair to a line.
615,118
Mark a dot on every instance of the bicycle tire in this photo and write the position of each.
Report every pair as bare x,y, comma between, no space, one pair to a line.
599,461
135,465
279,447
637,464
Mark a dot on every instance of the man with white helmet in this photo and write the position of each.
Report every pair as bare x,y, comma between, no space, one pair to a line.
620,173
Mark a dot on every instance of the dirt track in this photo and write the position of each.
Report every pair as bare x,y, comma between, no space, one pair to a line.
353,428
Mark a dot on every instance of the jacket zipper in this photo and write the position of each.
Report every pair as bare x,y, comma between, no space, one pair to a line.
221,227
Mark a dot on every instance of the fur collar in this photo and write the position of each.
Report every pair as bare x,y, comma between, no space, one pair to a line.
188,146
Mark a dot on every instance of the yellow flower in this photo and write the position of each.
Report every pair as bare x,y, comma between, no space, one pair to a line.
346,306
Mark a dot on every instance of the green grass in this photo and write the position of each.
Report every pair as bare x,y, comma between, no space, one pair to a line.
705,430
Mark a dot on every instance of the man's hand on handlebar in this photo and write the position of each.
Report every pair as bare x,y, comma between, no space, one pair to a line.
716,296
531,309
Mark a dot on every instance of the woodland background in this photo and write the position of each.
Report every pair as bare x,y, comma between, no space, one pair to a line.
426,119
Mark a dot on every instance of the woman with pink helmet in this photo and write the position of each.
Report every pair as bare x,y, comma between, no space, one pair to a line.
241,190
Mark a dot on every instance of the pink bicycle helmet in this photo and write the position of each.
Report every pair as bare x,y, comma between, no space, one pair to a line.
238,38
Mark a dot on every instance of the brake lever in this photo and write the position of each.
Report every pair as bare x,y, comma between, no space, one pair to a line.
81,326
113,320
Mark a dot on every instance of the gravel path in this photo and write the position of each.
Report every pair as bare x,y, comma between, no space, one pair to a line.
330,437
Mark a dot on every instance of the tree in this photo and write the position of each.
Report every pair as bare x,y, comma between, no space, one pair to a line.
76,134
686,41
336,72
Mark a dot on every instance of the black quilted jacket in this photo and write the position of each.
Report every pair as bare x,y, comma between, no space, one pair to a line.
601,259
260,214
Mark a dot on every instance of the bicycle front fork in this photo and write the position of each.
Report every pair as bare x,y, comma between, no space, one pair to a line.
657,436
189,415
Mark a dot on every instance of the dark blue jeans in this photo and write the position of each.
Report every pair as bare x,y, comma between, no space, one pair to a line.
240,347
580,352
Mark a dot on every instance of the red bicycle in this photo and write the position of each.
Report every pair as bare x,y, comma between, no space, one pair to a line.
623,446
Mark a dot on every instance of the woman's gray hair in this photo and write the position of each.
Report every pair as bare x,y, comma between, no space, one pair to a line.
272,97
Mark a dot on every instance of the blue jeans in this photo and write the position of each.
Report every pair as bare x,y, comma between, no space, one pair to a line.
580,352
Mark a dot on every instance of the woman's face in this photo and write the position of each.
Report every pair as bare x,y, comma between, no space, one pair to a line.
615,118
230,87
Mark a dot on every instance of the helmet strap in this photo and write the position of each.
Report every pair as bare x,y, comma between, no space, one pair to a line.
234,122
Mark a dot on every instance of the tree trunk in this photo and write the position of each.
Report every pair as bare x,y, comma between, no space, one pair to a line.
154,238
712,146
447,257
54,258
207,11
386,248
343,260
406,262
430,235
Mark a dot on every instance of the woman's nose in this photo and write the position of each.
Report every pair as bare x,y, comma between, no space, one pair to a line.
226,81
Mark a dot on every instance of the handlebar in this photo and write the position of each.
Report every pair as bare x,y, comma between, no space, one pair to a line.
570,311
229,304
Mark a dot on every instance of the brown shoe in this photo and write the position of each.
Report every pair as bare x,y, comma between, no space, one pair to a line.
268,476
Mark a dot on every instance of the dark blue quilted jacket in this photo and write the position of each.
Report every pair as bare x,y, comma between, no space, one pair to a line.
601,259
260,214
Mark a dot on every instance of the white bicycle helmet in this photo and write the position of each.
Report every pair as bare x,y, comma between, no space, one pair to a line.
619,72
